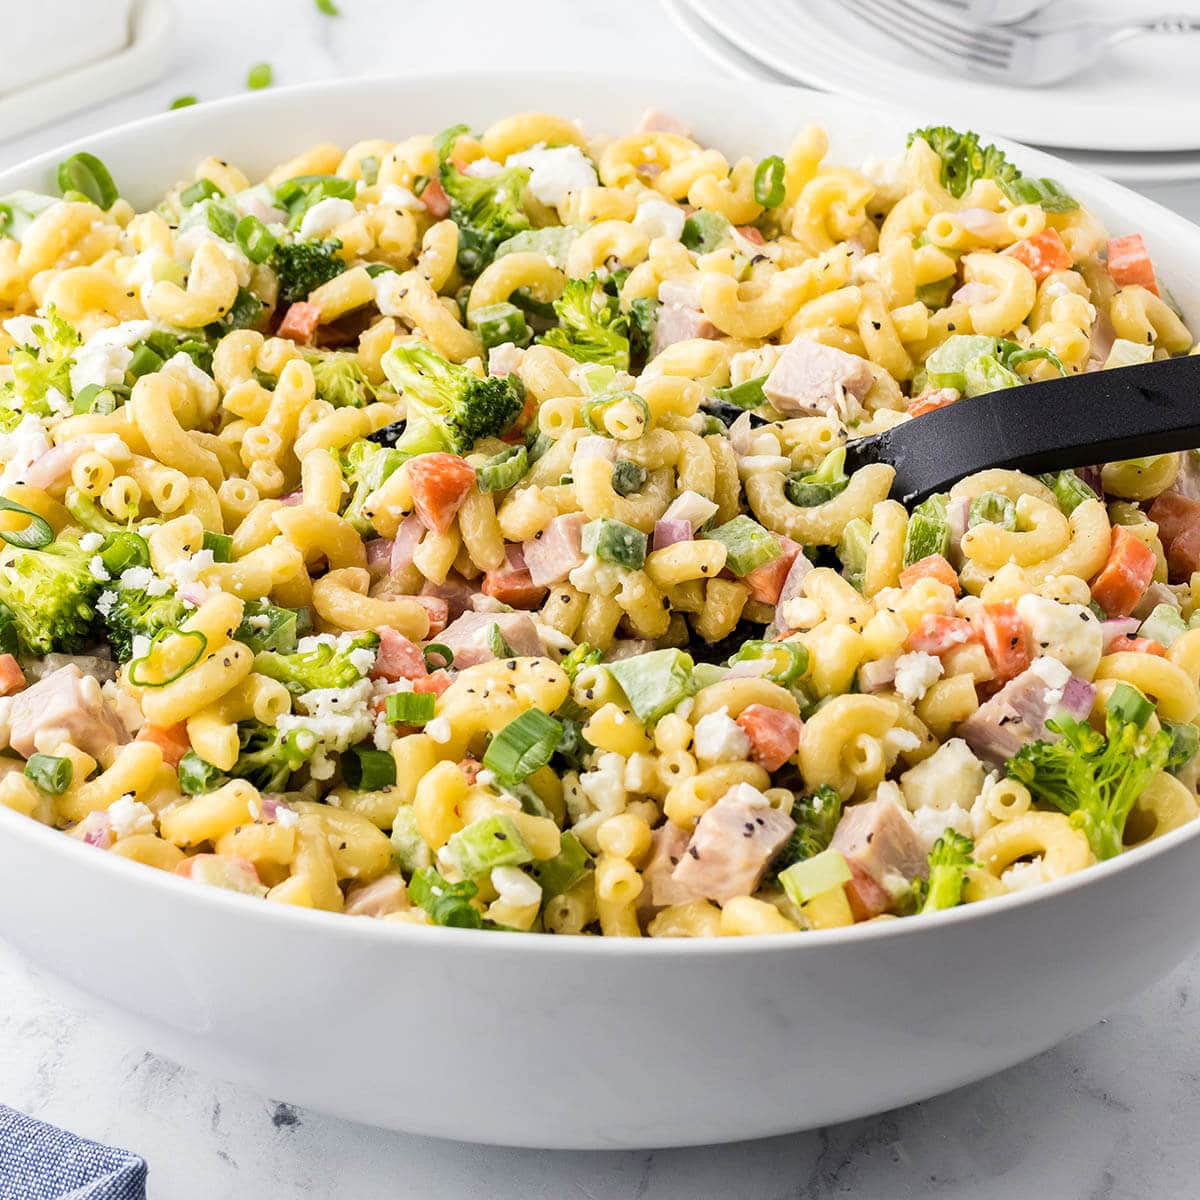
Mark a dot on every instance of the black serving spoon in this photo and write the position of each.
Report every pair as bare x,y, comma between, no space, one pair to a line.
1079,421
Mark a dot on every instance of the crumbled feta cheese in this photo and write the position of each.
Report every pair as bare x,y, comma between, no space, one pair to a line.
1055,675
324,217
105,602
21,448
915,673
485,778
1023,875
123,704
515,887
719,738
1068,633
657,218
900,741
950,776
129,816
187,571
139,645
747,794
259,621
98,569
604,785
390,290
555,172
91,541
287,817
104,358
400,197
483,168
439,729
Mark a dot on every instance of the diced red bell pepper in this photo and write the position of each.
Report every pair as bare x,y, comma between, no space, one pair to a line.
1129,262
300,322
938,634
439,484
12,678
398,657
932,566
752,235
171,740
1135,645
931,401
766,582
1041,254
774,734
1005,638
434,197
1126,574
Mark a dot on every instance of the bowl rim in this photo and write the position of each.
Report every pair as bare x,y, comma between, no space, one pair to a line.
16,825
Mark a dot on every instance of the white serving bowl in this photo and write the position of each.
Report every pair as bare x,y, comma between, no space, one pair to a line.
583,1042
53,36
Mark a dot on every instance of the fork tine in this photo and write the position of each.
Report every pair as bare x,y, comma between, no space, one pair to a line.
990,41
920,30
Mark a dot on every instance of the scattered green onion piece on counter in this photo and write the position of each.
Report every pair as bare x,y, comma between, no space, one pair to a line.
523,746
366,769
503,470
85,173
770,182
615,542
221,545
202,189
124,550
748,545
259,76
50,773
410,708
437,649
328,8
139,666
32,536
183,102
254,239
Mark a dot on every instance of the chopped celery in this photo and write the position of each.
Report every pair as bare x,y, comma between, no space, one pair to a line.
811,488
748,545
1164,625
554,242
656,682
946,367
991,508
1069,490
409,848
1125,353
614,542
811,877
928,530
704,231
745,395
561,873
987,374
852,550
499,323
491,841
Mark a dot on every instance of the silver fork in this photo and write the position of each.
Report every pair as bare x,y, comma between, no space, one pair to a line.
1024,57
998,12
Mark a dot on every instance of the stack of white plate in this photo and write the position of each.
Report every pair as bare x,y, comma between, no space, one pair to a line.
1134,116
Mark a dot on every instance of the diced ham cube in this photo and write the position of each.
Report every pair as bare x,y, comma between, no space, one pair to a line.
468,636
379,556
12,678
381,896
66,706
815,379
1173,513
677,323
439,483
454,592
668,843
867,899
878,842
300,322
512,583
555,551
731,848
774,734
654,120
766,582
408,538
398,657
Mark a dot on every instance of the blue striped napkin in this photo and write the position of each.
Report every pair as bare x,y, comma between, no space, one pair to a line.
40,1162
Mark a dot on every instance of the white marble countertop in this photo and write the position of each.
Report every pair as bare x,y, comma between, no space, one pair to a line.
1108,1114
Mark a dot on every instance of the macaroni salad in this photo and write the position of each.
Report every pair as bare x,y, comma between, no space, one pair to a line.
456,531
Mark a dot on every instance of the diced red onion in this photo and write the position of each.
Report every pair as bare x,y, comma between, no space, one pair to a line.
271,807
667,533
515,557
379,555
1091,476
1077,698
974,293
292,498
1116,628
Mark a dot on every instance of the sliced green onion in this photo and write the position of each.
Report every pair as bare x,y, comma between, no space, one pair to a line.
790,659
94,398
369,168
183,102
34,536
523,746
446,903
440,651
202,189
498,644
745,395
139,666
1069,490
145,361
222,221
488,842
627,477
124,550
366,769
196,776
991,508
259,76
748,545
1129,705
503,470
50,773
499,323
85,173
256,241
770,182
615,542
410,708
221,545
328,8
593,409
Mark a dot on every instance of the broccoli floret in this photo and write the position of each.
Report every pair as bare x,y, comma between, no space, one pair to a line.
964,160
50,595
816,818
303,266
244,313
137,613
322,666
591,327
643,316
340,379
1096,778
267,758
449,407
486,209
365,465
42,367
948,862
